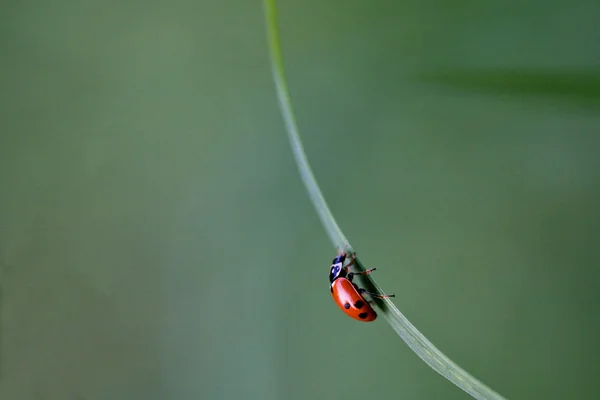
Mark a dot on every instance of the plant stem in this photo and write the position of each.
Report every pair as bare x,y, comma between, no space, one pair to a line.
333,230
401,325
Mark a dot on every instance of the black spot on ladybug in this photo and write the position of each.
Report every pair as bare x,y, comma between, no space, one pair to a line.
347,306
363,315
331,288
359,304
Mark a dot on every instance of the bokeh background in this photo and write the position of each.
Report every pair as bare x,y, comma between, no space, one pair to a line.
156,241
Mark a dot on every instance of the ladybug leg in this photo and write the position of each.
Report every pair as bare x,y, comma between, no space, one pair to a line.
353,260
350,276
378,296
351,263
367,272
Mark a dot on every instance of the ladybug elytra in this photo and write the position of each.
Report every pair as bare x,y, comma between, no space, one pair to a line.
347,295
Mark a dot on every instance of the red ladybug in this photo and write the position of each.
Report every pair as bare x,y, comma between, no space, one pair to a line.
347,295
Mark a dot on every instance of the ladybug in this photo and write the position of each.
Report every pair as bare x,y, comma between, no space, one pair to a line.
347,295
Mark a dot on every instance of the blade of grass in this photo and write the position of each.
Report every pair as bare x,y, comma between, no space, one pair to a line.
401,325
334,231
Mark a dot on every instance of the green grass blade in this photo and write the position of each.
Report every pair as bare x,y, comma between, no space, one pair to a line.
333,230
402,326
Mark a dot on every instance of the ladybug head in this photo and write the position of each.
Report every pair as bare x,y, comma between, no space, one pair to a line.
337,268
339,259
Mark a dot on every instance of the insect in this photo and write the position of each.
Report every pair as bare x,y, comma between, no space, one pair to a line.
347,295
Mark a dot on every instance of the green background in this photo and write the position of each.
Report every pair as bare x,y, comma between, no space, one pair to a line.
156,241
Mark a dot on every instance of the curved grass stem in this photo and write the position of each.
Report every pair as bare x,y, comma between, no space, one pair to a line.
401,325
333,230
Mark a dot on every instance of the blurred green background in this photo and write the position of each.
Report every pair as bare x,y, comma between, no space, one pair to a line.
156,241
